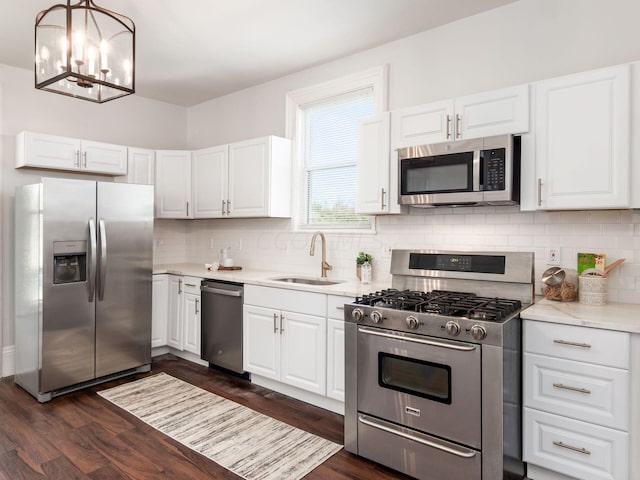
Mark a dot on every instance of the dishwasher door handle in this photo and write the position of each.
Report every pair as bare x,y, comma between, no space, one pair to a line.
220,291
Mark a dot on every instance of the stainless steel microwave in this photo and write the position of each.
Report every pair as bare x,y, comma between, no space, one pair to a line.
481,171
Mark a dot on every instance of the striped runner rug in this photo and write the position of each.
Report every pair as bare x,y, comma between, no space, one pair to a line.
248,443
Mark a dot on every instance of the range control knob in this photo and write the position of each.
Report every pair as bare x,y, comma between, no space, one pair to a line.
452,328
357,314
412,322
478,332
376,316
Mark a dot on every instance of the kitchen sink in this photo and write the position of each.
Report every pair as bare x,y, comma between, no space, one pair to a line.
308,281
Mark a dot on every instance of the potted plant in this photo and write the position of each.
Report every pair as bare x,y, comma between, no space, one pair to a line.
360,259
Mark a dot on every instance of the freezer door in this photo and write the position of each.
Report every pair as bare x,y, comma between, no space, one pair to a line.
68,315
124,278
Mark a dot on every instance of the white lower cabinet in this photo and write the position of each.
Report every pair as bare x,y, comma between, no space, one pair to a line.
289,341
159,311
576,402
183,331
577,449
285,345
335,346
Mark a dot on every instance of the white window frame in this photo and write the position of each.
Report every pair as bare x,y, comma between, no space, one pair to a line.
375,78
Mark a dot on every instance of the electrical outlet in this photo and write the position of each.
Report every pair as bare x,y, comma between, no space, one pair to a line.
386,252
553,256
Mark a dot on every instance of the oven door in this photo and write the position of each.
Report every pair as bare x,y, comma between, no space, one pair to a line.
421,382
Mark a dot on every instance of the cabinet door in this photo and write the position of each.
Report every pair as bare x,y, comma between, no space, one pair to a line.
175,321
191,315
421,125
335,359
47,151
261,341
574,448
209,182
304,344
373,179
141,167
103,158
582,140
249,171
160,310
173,184
498,112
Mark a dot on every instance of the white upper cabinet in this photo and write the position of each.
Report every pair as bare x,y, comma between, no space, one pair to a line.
498,112
173,184
209,181
244,179
377,168
259,180
582,142
141,167
37,150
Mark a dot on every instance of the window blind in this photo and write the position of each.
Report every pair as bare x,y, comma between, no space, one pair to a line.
329,154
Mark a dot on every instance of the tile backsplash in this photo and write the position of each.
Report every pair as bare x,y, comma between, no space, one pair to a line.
270,243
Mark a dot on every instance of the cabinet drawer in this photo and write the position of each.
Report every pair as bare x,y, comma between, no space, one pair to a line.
582,391
286,299
191,285
592,345
335,306
578,449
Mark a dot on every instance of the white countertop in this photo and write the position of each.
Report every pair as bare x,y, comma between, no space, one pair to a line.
349,288
623,317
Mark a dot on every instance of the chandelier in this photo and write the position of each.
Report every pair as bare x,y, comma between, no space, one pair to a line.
85,51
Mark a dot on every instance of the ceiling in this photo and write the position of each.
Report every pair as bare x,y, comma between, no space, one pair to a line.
190,51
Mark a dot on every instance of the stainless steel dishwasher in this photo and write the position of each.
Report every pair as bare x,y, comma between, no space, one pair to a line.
221,320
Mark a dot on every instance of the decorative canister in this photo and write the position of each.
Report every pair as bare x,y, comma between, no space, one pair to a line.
560,284
593,289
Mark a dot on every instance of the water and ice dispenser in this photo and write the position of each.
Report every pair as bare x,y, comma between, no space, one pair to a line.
69,262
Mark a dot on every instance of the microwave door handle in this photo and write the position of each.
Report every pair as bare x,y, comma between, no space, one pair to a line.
102,264
477,170
91,253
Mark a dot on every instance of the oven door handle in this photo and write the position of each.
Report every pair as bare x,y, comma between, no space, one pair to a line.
417,339
464,453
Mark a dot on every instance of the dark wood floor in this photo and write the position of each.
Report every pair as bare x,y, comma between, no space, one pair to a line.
82,436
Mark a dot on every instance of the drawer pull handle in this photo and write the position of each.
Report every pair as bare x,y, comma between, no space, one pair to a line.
575,449
189,284
573,344
340,307
573,389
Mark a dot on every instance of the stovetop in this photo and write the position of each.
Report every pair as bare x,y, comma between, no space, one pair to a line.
444,303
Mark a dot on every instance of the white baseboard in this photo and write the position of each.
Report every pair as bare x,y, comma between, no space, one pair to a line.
8,360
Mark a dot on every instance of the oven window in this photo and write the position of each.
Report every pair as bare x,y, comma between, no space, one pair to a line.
415,377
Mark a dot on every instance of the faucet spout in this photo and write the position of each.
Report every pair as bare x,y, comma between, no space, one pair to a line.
324,266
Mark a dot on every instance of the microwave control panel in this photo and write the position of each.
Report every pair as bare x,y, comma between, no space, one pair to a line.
493,169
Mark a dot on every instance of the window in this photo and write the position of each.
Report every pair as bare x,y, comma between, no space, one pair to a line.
323,123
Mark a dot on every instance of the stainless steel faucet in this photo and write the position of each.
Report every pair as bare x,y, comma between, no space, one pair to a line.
325,266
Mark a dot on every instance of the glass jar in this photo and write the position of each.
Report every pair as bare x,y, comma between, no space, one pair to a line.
365,272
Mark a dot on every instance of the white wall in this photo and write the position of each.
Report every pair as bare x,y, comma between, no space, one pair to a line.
133,121
522,42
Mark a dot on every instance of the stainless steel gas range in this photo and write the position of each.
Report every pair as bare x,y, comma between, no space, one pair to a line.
433,365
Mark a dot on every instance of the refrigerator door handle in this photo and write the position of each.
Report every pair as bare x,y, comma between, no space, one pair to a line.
91,277
102,265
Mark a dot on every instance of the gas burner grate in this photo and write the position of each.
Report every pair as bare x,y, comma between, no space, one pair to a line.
442,302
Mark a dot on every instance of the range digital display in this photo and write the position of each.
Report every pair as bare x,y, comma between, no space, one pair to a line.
457,263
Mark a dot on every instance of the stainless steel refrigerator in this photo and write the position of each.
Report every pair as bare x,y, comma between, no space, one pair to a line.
83,277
